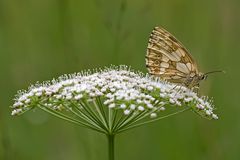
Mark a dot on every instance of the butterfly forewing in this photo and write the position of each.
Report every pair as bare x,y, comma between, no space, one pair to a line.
167,58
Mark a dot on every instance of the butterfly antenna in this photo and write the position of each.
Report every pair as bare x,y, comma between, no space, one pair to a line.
214,72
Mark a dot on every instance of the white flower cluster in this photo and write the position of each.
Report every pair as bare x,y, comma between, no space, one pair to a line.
118,88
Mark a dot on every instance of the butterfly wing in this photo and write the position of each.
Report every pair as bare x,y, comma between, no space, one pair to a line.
167,58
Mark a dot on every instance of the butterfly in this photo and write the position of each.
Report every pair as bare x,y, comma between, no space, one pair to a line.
168,59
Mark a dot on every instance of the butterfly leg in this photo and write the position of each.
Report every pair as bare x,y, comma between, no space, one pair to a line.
177,89
196,90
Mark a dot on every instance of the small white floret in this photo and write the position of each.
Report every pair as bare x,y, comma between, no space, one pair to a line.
132,106
123,106
153,115
27,101
140,108
126,112
208,112
214,116
112,105
79,96
38,94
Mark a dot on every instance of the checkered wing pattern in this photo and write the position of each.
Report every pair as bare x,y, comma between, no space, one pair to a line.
167,58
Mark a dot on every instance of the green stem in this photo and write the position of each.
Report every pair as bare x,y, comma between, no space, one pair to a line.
110,146
153,120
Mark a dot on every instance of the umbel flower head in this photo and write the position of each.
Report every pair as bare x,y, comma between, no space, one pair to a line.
111,100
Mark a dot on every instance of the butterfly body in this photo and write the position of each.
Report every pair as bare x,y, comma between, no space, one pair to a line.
167,58
191,82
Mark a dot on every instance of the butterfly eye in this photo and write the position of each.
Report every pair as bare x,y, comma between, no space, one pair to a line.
203,77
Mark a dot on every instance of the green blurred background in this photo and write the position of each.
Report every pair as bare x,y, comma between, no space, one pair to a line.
42,39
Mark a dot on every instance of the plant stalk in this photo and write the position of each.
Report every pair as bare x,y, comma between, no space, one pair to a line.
110,146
